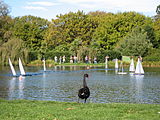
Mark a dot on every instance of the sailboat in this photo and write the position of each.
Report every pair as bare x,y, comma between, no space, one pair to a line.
12,68
106,63
21,68
131,67
139,68
116,64
121,70
44,65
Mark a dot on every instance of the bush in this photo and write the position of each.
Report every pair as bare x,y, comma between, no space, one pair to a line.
40,63
154,55
36,62
135,44
33,55
111,53
52,54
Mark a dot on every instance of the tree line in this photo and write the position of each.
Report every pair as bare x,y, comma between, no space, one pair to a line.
95,34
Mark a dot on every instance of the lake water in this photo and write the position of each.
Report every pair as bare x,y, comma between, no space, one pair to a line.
62,84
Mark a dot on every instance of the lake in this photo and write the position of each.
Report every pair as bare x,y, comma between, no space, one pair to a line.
62,83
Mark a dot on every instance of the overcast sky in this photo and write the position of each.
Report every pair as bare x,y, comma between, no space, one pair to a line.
48,9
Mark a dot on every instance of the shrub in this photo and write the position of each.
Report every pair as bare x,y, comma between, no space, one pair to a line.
154,55
111,53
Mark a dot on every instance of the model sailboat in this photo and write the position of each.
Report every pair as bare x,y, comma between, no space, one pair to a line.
21,68
12,68
106,63
139,68
131,67
121,72
44,65
116,63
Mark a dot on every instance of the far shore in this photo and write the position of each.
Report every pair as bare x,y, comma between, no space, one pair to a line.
110,64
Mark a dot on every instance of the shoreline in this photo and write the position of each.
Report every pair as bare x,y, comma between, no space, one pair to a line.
110,64
94,65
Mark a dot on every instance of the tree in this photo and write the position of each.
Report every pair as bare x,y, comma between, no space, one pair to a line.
66,28
151,34
73,31
158,10
156,27
135,44
31,30
13,51
5,23
153,55
114,27
4,9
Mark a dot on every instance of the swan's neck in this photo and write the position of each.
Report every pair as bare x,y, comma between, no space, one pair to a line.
84,82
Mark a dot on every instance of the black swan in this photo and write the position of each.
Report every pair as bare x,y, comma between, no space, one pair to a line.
84,92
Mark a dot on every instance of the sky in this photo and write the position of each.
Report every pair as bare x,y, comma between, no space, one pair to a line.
48,9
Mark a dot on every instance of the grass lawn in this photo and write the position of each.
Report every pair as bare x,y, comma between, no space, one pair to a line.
50,110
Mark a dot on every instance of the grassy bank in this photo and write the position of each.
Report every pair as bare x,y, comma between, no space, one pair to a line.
110,64
50,110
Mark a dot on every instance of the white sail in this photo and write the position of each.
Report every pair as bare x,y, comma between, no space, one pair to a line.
44,65
121,72
106,66
139,68
106,63
116,64
12,68
131,68
21,67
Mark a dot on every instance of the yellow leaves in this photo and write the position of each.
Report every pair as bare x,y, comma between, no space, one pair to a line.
69,108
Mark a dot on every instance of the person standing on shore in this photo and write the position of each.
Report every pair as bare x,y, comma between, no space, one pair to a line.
86,59
60,60
55,59
64,59
95,60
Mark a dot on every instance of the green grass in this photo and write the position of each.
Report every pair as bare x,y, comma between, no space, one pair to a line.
51,63
50,110
83,64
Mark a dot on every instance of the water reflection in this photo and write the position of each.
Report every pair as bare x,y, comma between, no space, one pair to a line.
139,88
21,83
44,85
71,67
55,68
11,92
106,70
116,70
74,68
136,89
63,68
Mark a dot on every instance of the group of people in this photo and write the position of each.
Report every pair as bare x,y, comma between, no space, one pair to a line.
88,60
74,59
61,59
